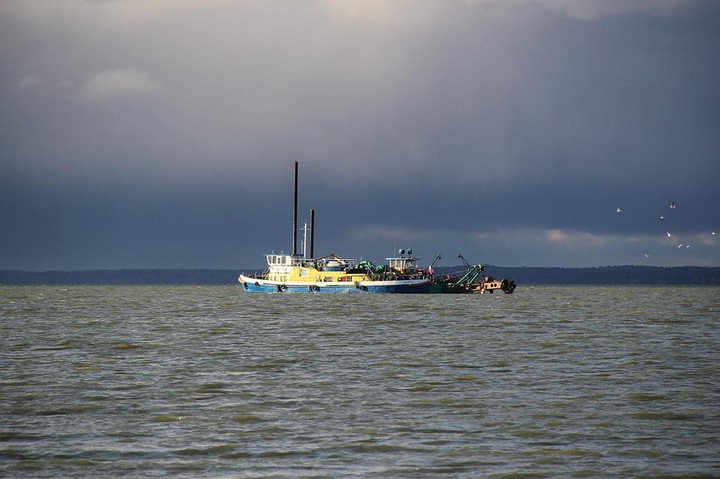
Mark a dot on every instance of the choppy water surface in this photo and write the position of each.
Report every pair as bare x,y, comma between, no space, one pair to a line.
212,382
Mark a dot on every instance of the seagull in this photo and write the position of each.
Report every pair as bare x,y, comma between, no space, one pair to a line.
647,255
668,233
687,246
672,205
680,245
618,210
662,217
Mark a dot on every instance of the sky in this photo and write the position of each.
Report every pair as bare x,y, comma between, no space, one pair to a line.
163,134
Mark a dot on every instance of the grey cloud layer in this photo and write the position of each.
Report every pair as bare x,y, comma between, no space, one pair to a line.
437,120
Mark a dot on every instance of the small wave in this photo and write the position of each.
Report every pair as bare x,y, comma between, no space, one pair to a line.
83,366
59,347
168,418
663,416
64,411
528,433
125,346
52,412
42,464
221,449
212,387
678,476
237,455
127,435
83,408
421,387
286,453
646,397
247,418
653,453
519,475
6,436
82,462
382,448
453,468
563,452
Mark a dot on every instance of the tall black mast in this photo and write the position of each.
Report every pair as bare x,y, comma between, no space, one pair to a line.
312,233
295,210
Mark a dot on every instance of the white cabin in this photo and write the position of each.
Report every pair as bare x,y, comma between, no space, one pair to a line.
402,264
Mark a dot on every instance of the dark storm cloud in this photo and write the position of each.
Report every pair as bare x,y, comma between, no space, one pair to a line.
163,134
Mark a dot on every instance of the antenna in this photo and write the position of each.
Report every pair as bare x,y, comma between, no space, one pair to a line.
464,260
304,240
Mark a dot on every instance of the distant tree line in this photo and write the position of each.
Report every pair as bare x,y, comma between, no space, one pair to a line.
626,275
623,275
121,276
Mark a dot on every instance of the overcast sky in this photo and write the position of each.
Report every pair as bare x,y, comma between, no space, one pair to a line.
137,134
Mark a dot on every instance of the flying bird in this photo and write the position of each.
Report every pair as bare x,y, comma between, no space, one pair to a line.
662,217
668,233
618,210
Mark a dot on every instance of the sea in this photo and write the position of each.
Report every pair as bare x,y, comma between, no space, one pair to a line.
212,382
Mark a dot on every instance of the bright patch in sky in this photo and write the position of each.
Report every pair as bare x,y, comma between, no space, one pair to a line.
113,83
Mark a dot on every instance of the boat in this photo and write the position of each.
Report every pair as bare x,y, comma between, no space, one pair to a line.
472,280
302,273
333,274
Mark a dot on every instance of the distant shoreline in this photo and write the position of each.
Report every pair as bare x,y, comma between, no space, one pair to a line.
603,275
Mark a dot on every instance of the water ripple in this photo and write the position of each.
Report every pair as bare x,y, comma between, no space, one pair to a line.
210,382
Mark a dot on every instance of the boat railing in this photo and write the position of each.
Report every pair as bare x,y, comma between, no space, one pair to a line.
395,276
258,274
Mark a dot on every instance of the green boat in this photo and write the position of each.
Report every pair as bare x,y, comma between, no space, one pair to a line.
471,280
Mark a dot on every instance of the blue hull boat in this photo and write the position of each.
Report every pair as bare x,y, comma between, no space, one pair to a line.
302,273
